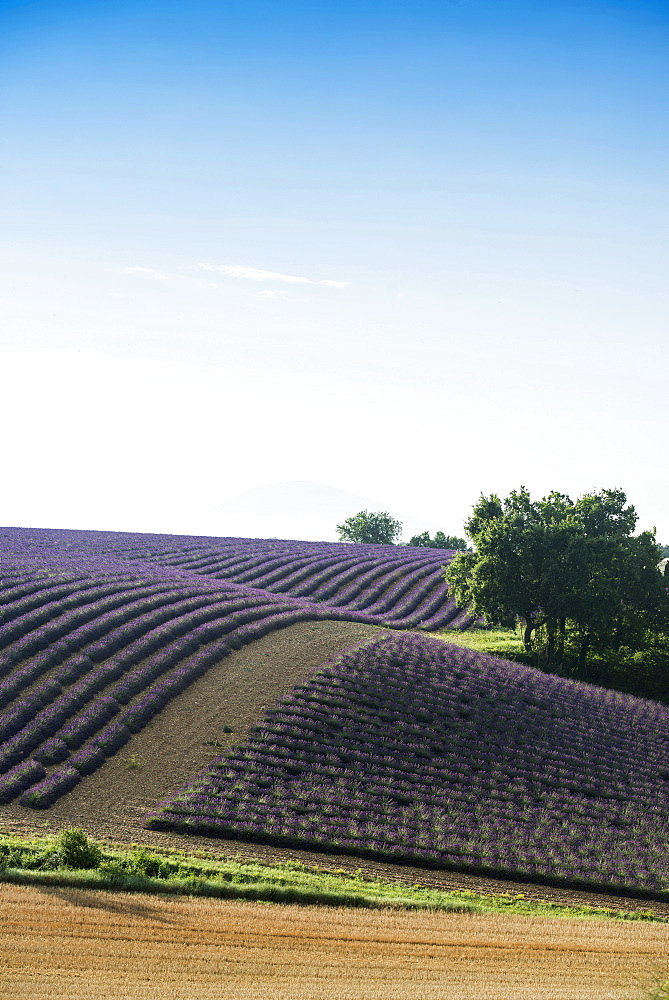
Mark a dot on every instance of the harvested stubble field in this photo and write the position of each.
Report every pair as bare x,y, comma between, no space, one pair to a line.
67,944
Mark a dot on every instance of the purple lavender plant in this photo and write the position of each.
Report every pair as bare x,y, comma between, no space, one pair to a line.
19,778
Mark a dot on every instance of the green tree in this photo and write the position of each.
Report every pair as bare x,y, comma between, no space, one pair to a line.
440,541
555,565
371,528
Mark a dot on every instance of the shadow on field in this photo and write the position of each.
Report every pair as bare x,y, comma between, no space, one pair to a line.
95,899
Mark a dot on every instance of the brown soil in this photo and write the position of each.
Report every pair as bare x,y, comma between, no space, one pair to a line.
67,944
111,804
176,745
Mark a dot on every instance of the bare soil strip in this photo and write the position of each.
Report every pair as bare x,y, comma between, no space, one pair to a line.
176,745
111,803
71,944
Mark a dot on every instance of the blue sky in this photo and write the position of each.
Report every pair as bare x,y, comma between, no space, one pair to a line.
413,251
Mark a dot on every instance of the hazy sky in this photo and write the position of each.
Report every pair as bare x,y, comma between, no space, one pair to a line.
410,250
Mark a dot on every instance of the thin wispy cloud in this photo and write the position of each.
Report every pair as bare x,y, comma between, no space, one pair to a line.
146,272
258,274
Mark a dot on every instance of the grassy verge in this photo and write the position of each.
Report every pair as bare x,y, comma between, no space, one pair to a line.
506,643
70,859
643,673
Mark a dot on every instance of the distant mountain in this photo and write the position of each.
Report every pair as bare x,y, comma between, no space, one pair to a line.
300,510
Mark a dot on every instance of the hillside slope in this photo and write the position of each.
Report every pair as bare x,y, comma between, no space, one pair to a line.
417,751
217,710
101,630
395,586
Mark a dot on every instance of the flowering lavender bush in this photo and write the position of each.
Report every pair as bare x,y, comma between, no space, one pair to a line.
88,760
19,778
416,751
112,738
53,751
88,722
44,793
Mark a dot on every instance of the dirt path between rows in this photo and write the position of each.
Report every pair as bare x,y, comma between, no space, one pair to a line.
111,804
176,745
67,944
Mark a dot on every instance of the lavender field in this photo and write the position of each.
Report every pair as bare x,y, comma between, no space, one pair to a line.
397,586
99,630
421,752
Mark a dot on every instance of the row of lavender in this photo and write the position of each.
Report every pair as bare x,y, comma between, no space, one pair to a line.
405,585
399,586
91,649
425,753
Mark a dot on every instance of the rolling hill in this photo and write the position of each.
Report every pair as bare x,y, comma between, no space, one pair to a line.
100,630
414,750
400,747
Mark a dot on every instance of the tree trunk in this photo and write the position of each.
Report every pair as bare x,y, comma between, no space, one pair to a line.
550,644
618,634
583,652
527,634
562,628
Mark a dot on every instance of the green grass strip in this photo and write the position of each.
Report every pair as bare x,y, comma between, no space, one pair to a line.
131,868
506,643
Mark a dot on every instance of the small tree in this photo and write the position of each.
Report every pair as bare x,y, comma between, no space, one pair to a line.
76,850
440,541
371,528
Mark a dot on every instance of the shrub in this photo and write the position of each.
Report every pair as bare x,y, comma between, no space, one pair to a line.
75,850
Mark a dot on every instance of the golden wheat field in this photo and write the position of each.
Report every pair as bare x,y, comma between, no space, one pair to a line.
67,944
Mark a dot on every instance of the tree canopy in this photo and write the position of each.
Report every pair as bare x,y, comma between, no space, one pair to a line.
440,541
556,564
370,527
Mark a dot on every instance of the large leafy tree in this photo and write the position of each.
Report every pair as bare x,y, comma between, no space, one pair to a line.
370,527
556,564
